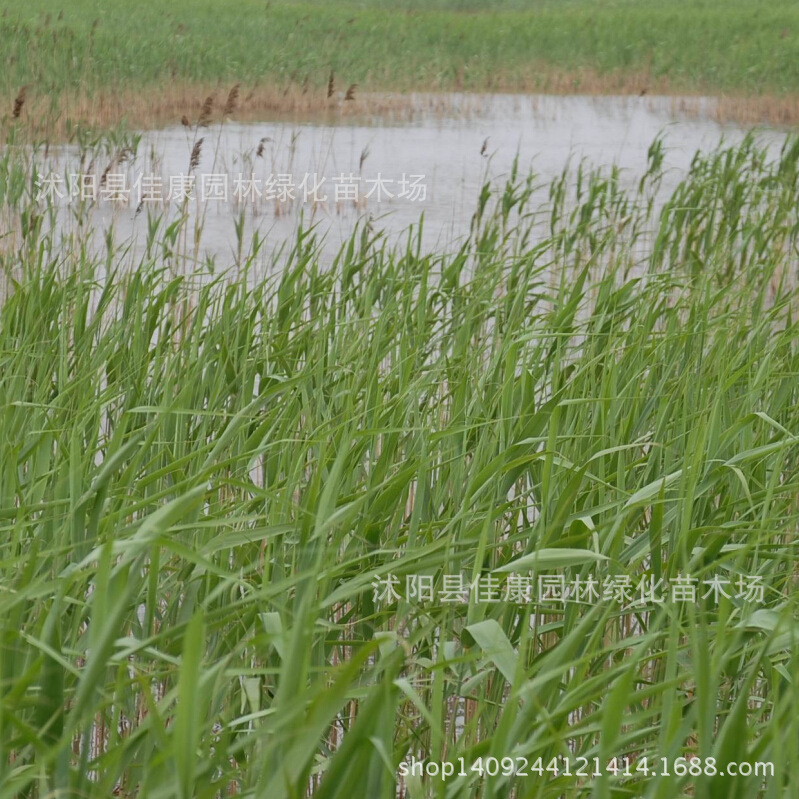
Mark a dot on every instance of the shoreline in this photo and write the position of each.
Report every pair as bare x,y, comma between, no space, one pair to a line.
40,117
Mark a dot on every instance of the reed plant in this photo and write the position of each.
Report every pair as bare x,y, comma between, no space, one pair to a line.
203,477
143,64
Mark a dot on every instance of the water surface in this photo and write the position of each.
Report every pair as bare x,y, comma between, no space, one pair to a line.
449,148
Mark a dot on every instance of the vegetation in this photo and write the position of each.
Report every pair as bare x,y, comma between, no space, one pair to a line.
77,57
201,477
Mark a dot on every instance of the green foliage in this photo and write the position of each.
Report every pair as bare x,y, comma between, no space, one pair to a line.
743,46
201,477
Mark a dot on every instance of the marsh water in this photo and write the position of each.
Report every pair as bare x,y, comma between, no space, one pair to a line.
433,159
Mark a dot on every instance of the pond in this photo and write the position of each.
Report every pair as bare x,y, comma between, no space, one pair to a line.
238,180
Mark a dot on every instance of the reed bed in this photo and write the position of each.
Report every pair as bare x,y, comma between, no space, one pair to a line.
39,118
201,479
148,65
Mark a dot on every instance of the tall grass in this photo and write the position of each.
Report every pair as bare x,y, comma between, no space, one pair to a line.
108,61
201,479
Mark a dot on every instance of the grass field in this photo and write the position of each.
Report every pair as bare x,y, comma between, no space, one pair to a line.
107,62
202,479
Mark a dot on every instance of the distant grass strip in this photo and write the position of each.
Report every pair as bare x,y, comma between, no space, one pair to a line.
85,49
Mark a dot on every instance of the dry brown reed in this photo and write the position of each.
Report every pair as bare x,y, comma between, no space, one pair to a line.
147,107
206,112
232,100
260,151
194,159
19,102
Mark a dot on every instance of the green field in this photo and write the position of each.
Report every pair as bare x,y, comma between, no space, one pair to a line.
203,477
742,47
